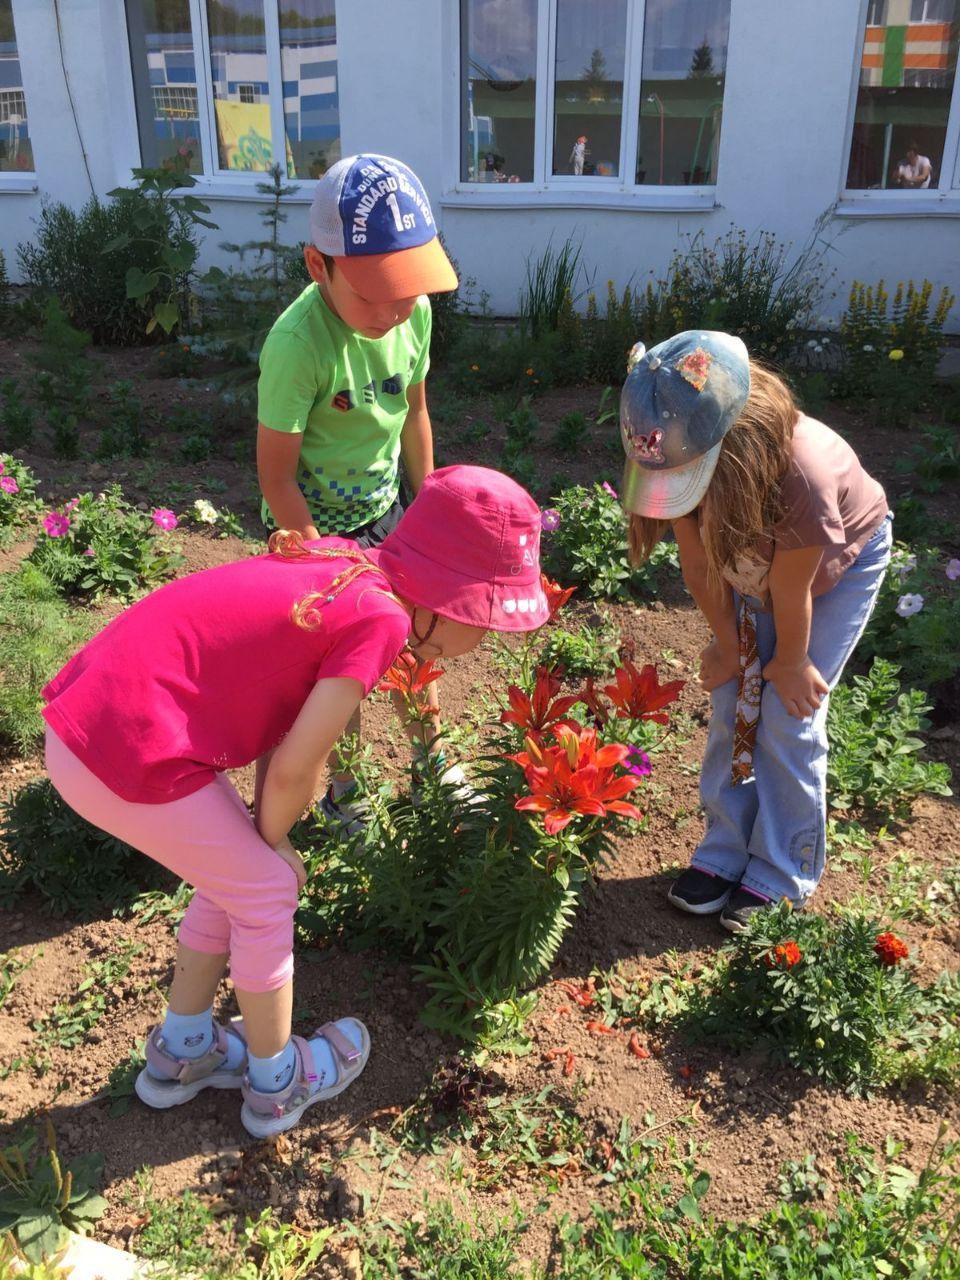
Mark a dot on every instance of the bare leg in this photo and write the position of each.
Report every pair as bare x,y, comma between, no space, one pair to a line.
195,980
267,1019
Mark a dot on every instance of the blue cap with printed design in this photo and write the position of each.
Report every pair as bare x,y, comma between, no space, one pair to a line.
371,213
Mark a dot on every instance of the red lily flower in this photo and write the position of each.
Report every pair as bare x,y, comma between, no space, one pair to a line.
639,695
409,676
574,777
557,596
541,712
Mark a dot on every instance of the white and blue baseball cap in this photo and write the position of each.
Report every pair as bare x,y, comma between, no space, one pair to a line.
372,215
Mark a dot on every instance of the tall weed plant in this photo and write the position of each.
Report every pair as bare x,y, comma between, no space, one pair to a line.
550,280
889,345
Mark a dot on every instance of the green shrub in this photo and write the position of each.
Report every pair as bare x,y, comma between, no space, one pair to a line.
17,417
917,618
449,314
38,633
18,500
934,460
874,759
77,867
589,547
892,357
102,545
590,648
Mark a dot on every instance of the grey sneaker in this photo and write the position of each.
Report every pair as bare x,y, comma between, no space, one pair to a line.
743,904
348,817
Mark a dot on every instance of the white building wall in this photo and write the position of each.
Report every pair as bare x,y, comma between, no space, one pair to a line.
790,84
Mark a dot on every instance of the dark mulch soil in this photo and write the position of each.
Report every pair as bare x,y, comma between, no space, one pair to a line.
745,1117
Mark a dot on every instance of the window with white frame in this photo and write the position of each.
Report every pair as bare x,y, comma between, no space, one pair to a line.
907,113
592,93
16,150
226,87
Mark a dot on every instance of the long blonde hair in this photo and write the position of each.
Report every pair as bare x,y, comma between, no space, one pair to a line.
306,612
743,501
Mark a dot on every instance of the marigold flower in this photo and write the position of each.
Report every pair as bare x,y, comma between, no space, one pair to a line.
536,714
639,695
895,354
409,676
783,956
56,524
164,519
557,596
9,485
890,949
575,777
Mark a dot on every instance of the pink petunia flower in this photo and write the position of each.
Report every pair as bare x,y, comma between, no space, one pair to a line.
549,520
74,502
9,485
89,552
908,605
164,519
638,763
953,570
56,524
608,488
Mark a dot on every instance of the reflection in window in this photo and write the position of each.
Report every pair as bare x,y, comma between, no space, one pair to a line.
907,74
16,151
165,84
311,104
499,82
588,89
241,84
681,97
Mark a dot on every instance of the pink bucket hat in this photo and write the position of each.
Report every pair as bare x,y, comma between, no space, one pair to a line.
468,548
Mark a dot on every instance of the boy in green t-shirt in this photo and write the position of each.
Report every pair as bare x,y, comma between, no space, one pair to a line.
341,396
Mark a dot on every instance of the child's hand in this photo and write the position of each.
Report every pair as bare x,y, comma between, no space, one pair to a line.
800,685
293,860
718,665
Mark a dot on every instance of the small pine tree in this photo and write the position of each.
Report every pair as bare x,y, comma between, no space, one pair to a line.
702,64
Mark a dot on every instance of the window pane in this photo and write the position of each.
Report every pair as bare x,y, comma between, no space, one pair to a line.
241,89
681,97
588,90
906,80
16,152
498,84
165,84
311,105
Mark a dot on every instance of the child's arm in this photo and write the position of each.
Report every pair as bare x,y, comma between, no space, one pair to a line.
278,458
720,660
416,438
798,682
294,767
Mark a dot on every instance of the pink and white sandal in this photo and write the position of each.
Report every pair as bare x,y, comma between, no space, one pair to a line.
173,1080
265,1114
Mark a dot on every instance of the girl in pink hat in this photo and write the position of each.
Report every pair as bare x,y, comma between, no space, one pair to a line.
268,658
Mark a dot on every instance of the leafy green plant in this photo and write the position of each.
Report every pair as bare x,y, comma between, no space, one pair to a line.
17,416
283,1251
934,459
160,234
587,648
77,867
831,996
69,1021
174,1231
444,1243
549,283
571,432
64,381
917,618
101,545
207,516
892,357
589,546
41,1200
874,759
124,435
120,1083
38,633
449,312
18,503
12,965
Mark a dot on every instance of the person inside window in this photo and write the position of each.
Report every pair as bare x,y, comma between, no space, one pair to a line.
915,170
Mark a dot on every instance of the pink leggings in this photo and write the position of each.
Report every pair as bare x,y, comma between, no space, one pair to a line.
245,896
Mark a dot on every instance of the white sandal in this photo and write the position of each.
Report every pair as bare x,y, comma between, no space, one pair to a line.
171,1080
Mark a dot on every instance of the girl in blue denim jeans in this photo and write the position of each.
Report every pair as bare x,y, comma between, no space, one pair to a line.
783,540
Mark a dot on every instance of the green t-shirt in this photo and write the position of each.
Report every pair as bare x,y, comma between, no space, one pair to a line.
347,396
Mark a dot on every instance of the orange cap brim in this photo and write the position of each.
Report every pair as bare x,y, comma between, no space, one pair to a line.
405,273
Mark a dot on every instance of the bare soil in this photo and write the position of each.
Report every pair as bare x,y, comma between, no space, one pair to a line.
745,1117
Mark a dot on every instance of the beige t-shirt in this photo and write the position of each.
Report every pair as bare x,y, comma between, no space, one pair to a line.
829,501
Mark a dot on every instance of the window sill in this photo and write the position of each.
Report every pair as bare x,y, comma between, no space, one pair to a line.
18,184
215,188
636,199
884,204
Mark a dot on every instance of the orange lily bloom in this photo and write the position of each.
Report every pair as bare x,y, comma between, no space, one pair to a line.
409,676
557,596
639,695
542,711
575,777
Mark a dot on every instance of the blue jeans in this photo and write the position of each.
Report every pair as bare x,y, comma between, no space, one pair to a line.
769,832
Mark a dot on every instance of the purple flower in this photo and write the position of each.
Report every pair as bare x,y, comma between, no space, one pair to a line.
908,605
89,552
608,488
638,763
9,485
74,502
549,520
56,524
953,570
164,519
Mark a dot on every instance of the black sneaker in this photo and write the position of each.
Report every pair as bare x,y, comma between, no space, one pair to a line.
743,904
699,892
